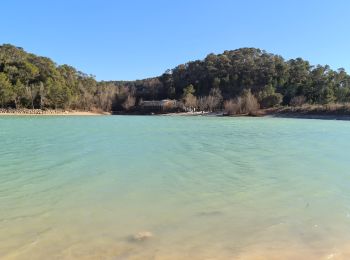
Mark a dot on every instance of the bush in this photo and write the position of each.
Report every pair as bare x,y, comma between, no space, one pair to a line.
249,103
233,106
245,104
297,101
271,100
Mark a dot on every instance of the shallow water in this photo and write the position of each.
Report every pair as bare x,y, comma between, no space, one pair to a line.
206,188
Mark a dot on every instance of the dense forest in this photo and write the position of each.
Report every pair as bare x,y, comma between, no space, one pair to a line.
30,81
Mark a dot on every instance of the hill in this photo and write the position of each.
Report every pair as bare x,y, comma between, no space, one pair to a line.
31,81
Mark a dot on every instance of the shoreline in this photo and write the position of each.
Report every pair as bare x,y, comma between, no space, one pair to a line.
311,116
306,112
39,112
261,114
273,113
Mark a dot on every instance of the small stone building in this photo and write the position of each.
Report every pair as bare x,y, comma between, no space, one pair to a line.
159,105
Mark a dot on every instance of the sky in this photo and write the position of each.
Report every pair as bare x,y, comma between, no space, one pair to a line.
134,39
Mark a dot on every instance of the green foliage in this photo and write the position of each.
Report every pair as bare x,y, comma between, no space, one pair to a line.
271,100
297,101
328,96
189,90
27,80
268,98
30,81
6,91
264,74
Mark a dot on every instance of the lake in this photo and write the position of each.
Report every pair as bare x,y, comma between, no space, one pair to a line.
202,187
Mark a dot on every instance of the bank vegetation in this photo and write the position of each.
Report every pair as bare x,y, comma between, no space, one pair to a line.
241,81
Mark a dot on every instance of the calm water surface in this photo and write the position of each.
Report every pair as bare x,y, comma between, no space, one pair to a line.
206,188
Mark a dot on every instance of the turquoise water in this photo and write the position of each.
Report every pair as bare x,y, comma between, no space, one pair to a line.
206,188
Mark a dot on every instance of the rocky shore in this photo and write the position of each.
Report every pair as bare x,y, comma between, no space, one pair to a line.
54,112
330,112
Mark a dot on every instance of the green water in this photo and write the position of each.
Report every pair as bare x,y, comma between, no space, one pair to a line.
206,188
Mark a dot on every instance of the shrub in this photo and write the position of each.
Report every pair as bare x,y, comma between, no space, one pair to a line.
245,104
233,106
249,102
271,100
297,101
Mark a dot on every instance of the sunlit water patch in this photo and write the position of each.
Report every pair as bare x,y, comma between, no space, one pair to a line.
120,187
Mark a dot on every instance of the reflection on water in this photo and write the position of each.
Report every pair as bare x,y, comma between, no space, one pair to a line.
174,188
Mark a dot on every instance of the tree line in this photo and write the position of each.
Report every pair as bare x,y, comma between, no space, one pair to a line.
30,81
246,73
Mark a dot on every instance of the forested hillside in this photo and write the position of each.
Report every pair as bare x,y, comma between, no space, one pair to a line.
30,81
246,73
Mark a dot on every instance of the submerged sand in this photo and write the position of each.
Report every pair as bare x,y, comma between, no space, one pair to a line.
148,250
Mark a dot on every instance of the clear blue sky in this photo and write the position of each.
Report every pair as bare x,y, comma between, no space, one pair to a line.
130,39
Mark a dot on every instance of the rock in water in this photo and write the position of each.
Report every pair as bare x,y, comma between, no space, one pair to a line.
143,235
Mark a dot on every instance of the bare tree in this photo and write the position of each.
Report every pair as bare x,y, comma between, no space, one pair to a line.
250,103
212,102
129,102
203,103
31,91
233,106
106,96
190,101
245,104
